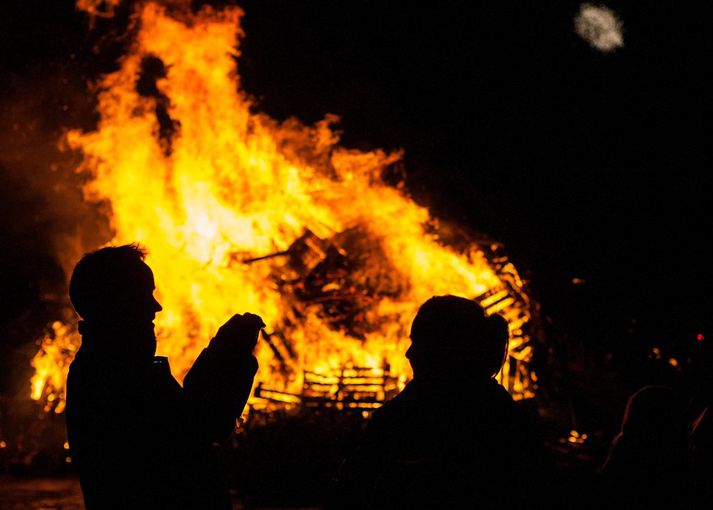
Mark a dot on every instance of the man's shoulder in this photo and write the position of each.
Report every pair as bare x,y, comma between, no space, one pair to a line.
85,367
90,377
161,368
162,381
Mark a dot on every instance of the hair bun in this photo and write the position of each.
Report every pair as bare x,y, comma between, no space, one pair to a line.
497,328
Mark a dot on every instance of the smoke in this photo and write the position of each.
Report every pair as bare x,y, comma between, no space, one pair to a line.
44,224
600,27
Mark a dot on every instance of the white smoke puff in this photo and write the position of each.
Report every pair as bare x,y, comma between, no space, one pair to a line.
599,26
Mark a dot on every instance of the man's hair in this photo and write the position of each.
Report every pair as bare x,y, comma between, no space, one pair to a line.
455,328
99,274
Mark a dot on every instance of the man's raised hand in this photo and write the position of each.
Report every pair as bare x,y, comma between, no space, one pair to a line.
239,335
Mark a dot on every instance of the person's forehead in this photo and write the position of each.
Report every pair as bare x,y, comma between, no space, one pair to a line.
142,275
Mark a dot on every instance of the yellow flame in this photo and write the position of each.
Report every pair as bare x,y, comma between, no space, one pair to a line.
232,185
51,365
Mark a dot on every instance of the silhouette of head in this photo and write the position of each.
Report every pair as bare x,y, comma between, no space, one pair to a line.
452,337
112,290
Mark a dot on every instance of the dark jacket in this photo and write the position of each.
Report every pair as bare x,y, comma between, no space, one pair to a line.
140,440
443,445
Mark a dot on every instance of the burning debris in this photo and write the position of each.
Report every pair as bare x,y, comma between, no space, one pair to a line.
341,281
240,212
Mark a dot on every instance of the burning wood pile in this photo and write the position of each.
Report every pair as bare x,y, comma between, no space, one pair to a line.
242,213
341,280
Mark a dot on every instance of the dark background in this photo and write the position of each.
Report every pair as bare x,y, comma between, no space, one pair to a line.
587,165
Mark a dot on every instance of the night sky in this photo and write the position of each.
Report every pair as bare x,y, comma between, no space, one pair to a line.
586,164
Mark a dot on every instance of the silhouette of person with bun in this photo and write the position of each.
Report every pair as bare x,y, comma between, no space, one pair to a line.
453,437
138,438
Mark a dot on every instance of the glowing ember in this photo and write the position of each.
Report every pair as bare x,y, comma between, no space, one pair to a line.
101,8
241,213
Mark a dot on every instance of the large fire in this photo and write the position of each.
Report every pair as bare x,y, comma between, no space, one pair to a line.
242,213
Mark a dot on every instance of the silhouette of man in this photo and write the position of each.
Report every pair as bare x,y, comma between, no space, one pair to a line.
453,437
138,438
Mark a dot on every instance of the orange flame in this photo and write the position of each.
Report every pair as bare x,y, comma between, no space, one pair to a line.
98,8
230,185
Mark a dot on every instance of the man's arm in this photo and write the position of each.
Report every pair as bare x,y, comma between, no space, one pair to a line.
218,385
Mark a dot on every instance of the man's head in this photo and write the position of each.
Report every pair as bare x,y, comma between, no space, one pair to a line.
452,335
112,290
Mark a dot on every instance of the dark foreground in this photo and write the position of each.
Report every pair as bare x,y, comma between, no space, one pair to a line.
40,494
52,494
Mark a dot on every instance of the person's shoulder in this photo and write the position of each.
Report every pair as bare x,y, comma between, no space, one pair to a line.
400,407
497,395
86,384
161,367
161,377
90,376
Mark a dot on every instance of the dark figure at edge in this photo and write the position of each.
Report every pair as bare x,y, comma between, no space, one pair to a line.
453,438
138,438
701,447
648,464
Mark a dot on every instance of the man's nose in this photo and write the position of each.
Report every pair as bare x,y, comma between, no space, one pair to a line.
157,306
